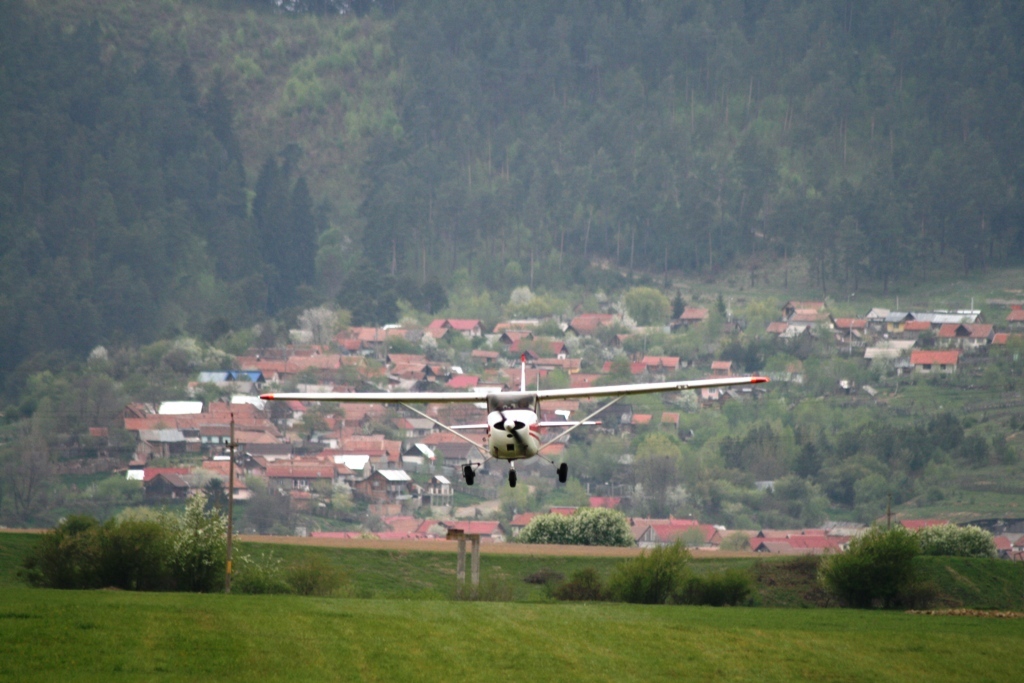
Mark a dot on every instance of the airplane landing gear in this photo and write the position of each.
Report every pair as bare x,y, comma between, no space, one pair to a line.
468,474
512,478
563,472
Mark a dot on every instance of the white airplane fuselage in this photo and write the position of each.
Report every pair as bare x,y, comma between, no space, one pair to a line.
512,434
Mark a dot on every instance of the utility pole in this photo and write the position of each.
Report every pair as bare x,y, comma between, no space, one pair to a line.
888,513
231,501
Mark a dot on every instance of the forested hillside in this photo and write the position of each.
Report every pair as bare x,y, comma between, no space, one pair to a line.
871,137
200,166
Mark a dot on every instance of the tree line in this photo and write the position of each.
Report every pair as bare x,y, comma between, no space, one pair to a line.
870,138
126,212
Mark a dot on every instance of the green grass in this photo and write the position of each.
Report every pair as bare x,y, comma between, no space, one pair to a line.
114,636
431,575
48,635
420,575
976,583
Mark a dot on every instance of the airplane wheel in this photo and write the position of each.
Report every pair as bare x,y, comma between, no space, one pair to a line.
563,472
512,478
468,474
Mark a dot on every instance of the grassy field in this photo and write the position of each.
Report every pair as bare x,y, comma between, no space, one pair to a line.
113,636
405,574
48,635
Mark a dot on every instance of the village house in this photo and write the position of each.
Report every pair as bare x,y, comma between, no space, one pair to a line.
299,476
1015,318
387,486
467,328
165,483
438,492
691,315
926,362
965,336
454,455
721,368
790,308
661,366
586,324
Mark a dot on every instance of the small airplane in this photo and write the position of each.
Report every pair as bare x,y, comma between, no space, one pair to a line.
513,427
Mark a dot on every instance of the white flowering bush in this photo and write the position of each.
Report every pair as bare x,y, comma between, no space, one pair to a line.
259,574
600,526
958,541
551,528
199,547
586,526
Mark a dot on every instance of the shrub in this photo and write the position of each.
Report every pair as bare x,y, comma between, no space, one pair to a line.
959,541
552,528
259,575
583,585
199,547
545,576
652,578
133,555
586,526
878,567
66,557
315,575
730,587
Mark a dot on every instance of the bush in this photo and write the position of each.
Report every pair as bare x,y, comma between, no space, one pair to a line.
583,585
586,526
66,557
545,576
877,568
199,547
315,575
551,528
958,541
730,587
259,575
78,553
652,578
133,555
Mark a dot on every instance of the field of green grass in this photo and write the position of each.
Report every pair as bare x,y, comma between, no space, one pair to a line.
113,636
379,632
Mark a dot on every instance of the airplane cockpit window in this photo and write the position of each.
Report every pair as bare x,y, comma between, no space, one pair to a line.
510,401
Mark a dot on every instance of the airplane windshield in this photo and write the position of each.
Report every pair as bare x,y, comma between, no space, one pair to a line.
510,401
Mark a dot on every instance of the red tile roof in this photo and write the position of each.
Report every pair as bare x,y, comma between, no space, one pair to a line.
693,314
965,330
934,357
523,518
150,473
463,382
587,323
290,470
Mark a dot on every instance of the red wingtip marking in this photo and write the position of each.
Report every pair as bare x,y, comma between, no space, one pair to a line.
267,397
758,380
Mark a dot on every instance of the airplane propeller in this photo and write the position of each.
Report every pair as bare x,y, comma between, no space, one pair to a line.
512,427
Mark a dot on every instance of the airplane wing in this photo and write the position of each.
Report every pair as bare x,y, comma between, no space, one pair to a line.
467,397
381,397
648,388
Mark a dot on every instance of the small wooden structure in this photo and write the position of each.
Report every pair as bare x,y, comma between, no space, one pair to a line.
460,572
